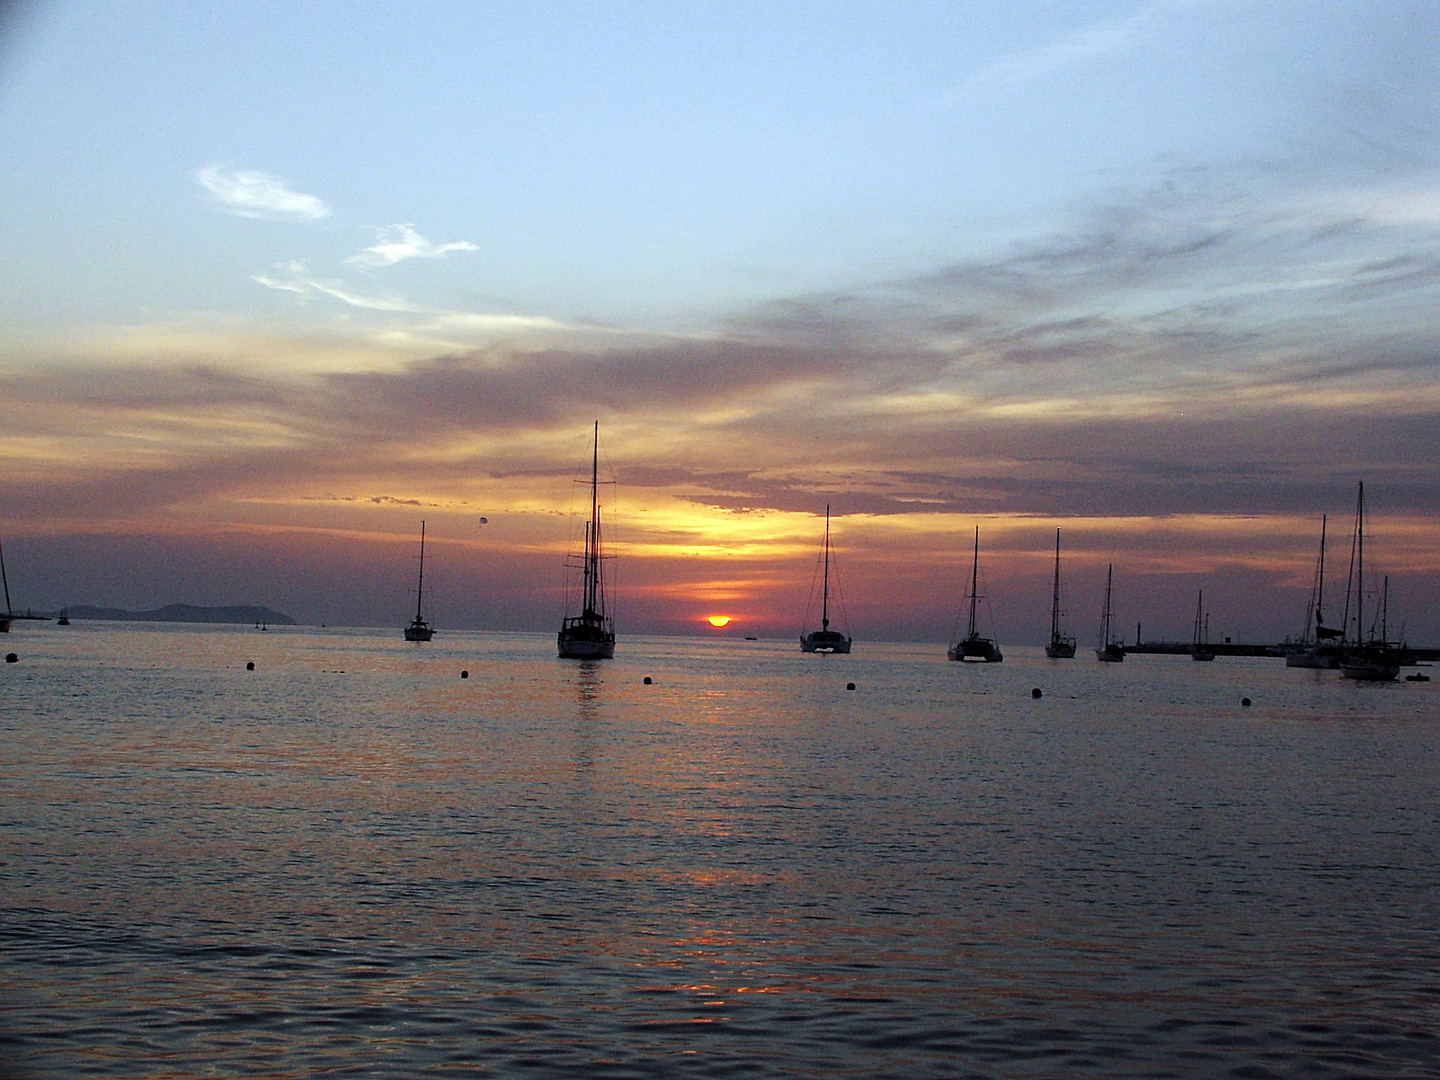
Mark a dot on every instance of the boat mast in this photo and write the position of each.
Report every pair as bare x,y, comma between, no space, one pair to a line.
1320,580
1055,597
1105,614
420,589
5,581
974,583
592,531
825,587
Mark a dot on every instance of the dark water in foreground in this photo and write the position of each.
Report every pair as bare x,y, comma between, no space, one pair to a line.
351,863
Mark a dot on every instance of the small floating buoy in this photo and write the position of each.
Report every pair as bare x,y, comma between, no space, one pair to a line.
1035,693
12,658
1245,701
849,686
648,680
464,673
250,665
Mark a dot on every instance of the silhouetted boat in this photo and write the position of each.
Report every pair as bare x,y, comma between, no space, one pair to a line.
973,647
1364,656
64,619
419,629
1200,643
1108,651
590,635
1061,646
7,614
1319,645
825,640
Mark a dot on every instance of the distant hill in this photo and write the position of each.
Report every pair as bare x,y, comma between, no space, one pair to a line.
239,613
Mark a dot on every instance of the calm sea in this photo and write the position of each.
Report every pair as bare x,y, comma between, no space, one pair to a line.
351,862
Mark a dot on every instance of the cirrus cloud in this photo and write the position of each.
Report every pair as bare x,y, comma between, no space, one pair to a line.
252,194
398,243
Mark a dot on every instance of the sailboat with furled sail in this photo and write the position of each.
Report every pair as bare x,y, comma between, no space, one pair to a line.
1319,644
1109,651
1061,646
974,647
590,635
825,640
419,629
1200,644
1364,655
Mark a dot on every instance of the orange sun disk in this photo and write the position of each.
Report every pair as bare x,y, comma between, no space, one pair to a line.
718,620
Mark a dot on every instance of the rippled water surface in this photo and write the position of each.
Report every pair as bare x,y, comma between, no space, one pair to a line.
352,862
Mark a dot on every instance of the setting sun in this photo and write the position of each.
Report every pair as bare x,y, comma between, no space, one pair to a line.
718,620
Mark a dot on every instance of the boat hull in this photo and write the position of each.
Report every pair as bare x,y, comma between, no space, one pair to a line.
1202,654
976,650
825,641
586,650
1060,650
1110,654
586,638
1378,665
418,632
1319,659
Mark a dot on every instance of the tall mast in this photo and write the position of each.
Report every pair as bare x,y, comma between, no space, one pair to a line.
6,581
1320,577
974,583
825,587
1055,597
420,589
592,532
1105,614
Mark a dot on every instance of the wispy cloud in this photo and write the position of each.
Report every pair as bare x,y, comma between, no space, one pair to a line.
252,194
397,243
1091,43
299,283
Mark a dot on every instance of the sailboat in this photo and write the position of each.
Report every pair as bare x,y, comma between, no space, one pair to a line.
1200,643
825,640
1319,644
973,647
419,629
1061,647
1108,651
9,612
1372,659
591,634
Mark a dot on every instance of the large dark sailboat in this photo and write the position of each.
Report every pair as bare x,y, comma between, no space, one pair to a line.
419,629
1108,651
1364,655
1061,646
1319,645
825,640
1200,643
974,647
590,635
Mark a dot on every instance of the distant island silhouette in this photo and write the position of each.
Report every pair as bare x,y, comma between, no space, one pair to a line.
190,613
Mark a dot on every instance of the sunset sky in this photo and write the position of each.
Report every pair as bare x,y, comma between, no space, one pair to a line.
281,280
